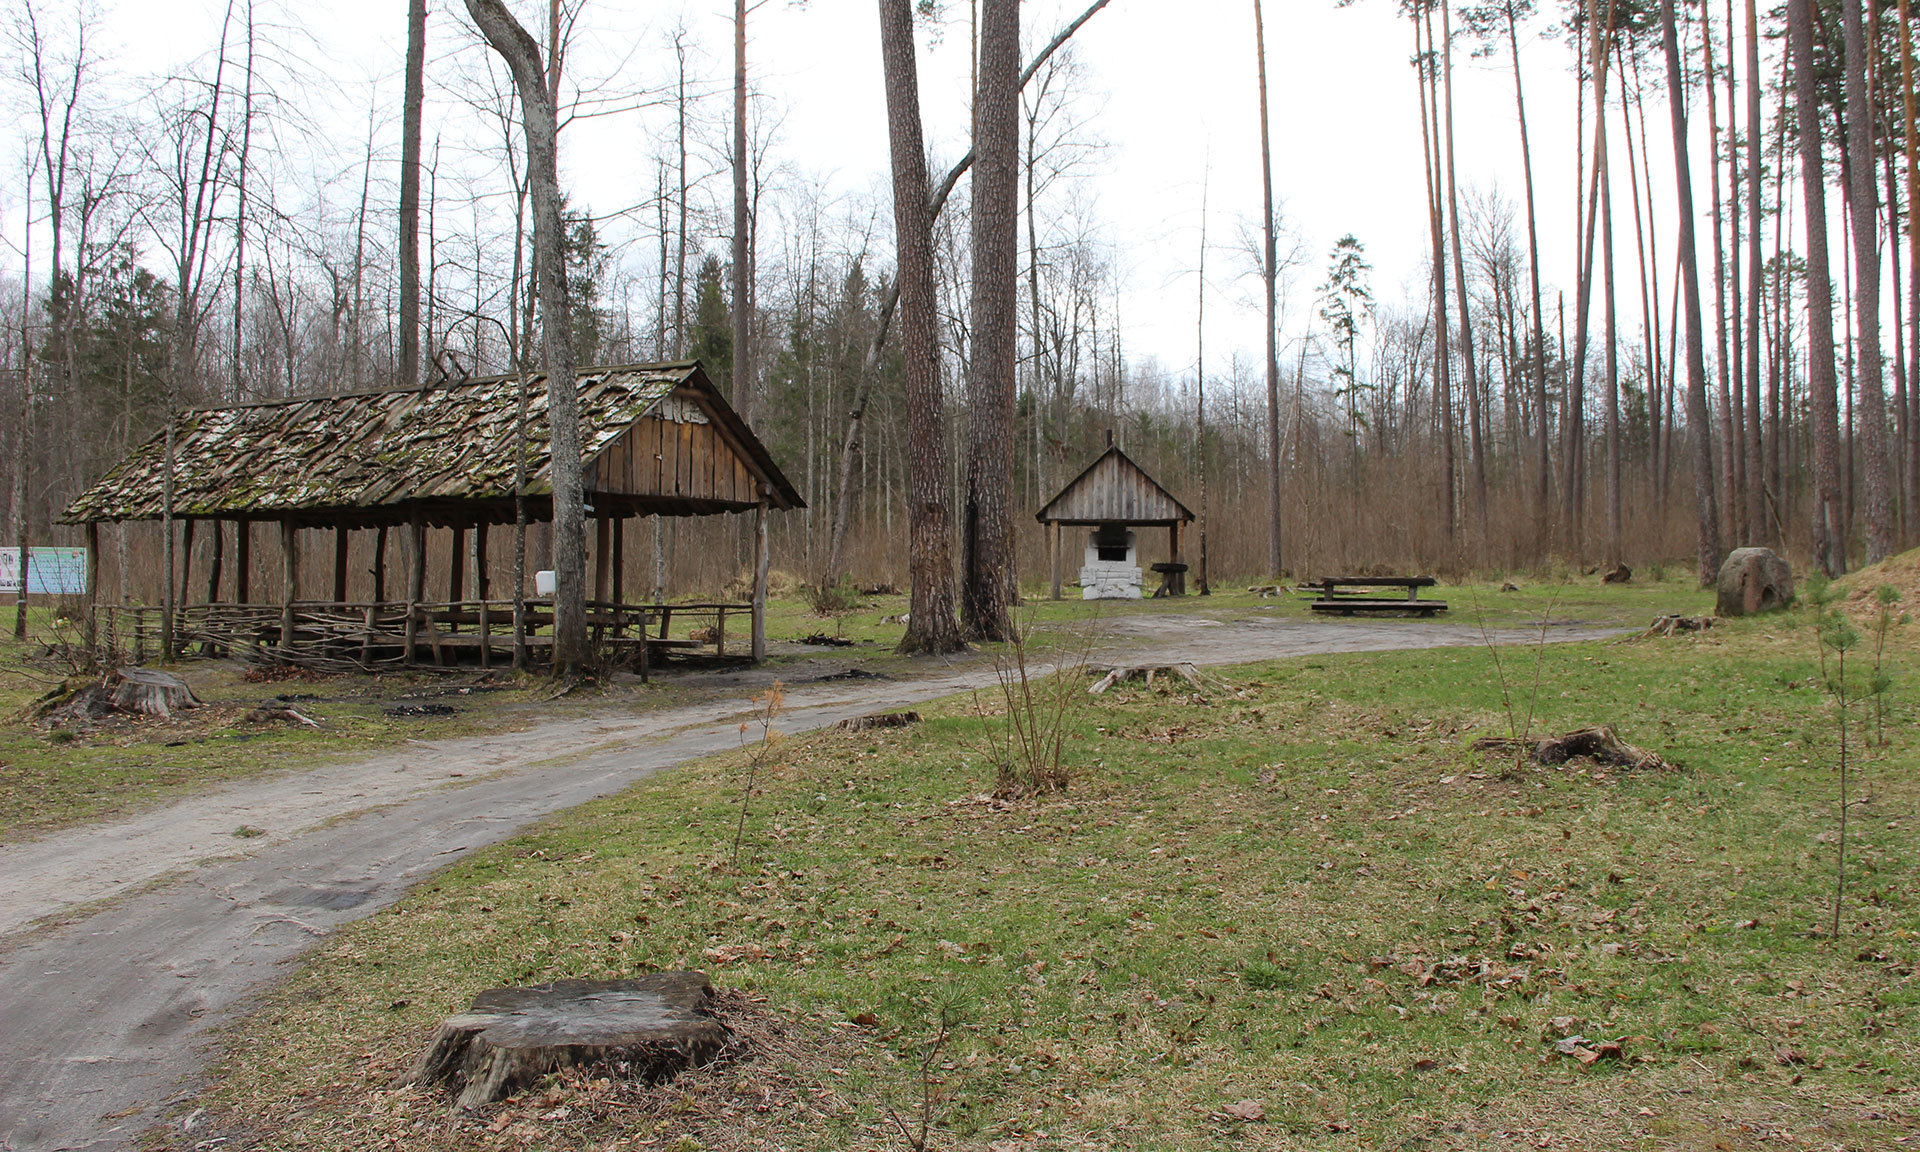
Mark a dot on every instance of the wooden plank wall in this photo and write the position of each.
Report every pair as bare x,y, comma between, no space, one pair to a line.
670,458
1115,492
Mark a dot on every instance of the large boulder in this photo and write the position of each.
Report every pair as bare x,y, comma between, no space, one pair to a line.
1752,581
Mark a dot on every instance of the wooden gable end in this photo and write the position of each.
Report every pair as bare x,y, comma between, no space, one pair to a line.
676,451
1114,490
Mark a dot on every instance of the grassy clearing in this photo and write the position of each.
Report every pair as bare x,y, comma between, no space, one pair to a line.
50,780
1297,897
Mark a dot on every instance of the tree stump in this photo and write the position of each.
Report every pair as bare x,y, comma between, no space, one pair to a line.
1111,674
1618,574
151,693
1752,581
879,720
1669,625
647,1028
1599,744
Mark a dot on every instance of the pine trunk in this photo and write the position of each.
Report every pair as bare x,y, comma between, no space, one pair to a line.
1708,534
1829,541
989,581
931,623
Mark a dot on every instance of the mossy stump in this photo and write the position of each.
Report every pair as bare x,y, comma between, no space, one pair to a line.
646,1028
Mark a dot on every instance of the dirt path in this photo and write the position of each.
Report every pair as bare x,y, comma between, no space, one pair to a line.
123,945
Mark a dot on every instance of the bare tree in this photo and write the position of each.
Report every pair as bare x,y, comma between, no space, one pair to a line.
522,56
410,113
1269,273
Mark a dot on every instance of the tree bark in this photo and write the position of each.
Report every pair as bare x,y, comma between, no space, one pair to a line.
989,582
410,114
850,444
1476,449
931,623
1708,535
1757,480
743,382
522,56
1911,421
1829,542
1543,470
1269,273
1863,201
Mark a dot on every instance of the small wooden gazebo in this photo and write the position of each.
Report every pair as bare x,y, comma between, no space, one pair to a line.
1112,495
656,440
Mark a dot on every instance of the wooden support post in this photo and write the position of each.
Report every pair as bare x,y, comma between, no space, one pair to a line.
185,588
416,582
482,583
214,565
602,549
760,562
289,580
481,589
1053,555
380,564
207,646
457,565
93,586
340,544
242,561
619,566
1178,585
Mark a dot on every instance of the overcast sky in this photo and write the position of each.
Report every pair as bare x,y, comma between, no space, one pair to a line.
1171,93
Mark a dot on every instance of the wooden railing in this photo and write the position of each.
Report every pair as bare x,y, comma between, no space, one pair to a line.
371,636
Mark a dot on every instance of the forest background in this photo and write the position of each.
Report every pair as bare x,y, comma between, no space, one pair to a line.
1484,371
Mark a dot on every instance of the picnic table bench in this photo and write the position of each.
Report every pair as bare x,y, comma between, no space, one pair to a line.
1336,595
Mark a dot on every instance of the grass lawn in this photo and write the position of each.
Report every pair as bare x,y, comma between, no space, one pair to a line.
49,780
1292,911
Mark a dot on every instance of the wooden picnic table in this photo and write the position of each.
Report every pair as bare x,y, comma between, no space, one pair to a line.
1337,595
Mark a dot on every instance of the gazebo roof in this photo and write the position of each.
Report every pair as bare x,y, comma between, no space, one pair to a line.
1114,490
445,448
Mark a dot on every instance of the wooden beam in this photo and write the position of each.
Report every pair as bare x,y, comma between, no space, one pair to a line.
242,560
185,587
341,542
214,564
760,561
380,564
416,581
602,549
1053,555
482,583
93,583
457,565
619,563
289,580
481,589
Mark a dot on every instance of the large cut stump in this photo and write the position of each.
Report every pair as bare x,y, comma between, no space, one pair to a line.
647,1028
151,693
1752,581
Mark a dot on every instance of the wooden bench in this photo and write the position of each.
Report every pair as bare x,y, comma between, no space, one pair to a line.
1335,596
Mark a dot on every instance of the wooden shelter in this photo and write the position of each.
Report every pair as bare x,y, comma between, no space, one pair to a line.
656,440
1114,493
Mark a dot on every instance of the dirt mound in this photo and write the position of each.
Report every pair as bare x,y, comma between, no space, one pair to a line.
1901,572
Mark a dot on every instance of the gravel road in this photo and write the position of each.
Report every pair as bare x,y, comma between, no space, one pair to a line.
125,945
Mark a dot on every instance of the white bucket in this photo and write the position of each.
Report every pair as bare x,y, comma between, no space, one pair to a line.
543,582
